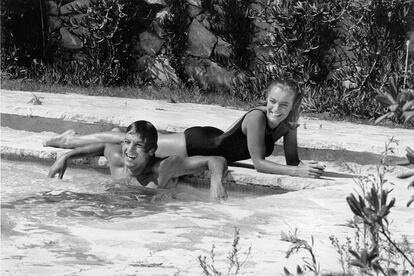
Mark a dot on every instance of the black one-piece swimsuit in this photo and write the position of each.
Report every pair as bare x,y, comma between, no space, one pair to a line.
232,144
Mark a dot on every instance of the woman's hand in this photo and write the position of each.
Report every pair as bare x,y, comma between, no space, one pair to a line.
59,167
311,169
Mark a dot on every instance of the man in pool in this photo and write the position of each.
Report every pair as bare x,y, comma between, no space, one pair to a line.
135,160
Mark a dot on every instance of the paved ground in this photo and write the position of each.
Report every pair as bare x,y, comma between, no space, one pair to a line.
313,134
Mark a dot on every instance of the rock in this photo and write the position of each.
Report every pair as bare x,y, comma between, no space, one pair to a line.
141,63
156,2
206,23
51,8
200,40
219,10
156,28
150,43
208,74
80,31
262,52
162,72
223,48
201,17
54,23
256,7
162,15
74,20
411,39
263,25
69,40
193,11
156,69
196,3
73,7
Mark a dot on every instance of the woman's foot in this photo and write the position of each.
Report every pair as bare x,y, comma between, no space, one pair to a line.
60,141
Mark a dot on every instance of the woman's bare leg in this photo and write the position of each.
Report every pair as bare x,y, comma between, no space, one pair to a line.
168,144
171,144
69,139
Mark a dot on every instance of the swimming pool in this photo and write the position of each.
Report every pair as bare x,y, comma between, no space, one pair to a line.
88,225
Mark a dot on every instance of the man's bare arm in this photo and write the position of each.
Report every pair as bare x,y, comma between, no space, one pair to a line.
59,167
175,166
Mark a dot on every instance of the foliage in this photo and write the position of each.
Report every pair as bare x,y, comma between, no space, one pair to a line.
372,208
176,25
310,263
339,52
399,102
230,20
104,58
343,251
408,173
18,46
371,250
234,264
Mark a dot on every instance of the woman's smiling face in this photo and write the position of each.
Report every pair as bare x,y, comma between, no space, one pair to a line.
279,104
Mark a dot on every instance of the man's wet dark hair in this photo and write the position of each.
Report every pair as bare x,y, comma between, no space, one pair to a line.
147,131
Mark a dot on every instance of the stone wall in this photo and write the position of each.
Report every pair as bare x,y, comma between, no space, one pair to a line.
204,59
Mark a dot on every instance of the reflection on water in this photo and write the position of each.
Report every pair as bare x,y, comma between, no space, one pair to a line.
121,201
90,194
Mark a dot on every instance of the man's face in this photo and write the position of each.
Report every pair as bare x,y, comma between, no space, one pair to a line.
134,152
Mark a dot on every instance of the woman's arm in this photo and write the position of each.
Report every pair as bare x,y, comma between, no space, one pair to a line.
290,147
255,126
59,167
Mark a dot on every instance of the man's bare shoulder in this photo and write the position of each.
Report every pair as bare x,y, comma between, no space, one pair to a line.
171,161
113,153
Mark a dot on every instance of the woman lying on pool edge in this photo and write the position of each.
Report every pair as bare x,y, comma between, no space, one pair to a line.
253,136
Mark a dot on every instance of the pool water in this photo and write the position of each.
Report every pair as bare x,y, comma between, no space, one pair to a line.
87,224
87,194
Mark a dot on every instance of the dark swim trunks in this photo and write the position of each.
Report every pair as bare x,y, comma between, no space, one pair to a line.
232,144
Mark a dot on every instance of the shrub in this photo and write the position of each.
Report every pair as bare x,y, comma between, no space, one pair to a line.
18,45
399,103
341,52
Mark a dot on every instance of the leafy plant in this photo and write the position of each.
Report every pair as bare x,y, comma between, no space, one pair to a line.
310,263
35,100
18,45
409,173
343,251
372,207
234,264
399,102
176,25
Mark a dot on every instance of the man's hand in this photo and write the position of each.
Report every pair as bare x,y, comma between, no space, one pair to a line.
59,167
217,190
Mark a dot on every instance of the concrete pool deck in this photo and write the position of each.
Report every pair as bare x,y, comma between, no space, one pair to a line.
336,139
25,126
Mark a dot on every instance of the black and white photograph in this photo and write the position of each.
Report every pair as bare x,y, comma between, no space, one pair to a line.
207,137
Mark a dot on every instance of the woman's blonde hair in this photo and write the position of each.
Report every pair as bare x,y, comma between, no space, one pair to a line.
291,87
